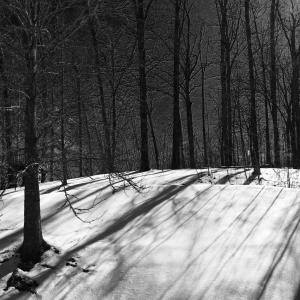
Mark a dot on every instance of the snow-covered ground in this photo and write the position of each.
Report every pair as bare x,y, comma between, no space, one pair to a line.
183,235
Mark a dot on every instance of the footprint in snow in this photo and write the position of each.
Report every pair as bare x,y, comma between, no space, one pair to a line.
71,262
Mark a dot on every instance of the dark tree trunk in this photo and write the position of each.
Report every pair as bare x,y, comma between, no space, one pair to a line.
114,109
253,118
7,116
225,69
295,128
295,111
273,86
288,136
114,129
190,130
187,91
243,145
176,161
156,152
79,113
229,142
203,117
107,144
140,31
268,145
62,127
266,97
33,244
52,138
224,117
90,160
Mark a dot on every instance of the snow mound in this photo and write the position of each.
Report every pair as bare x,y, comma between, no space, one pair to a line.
177,238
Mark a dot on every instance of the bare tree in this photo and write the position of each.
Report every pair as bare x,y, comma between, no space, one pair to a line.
253,117
177,132
141,10
273,81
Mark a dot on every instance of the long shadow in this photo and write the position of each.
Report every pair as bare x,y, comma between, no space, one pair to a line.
119,223
14,236
135,230
141,209
50,190
227,177
209,246
236,250
69,187
278,256
174,213
250,179
125,219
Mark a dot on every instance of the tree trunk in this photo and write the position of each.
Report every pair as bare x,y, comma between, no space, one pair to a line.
79,113
266,98
140,31
188,102
273,85
295,130
253,118
90,160
203,117
62,126
156,152
225,69
33,244
176,162
7,116
52,138
229,142
114,130
107,144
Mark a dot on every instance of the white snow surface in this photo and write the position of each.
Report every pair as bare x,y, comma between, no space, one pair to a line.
182,236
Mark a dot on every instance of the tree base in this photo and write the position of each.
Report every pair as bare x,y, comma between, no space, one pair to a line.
29,258
20,281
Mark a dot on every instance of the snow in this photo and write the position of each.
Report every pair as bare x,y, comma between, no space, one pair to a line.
182,236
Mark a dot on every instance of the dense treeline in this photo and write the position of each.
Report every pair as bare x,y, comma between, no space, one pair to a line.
99,86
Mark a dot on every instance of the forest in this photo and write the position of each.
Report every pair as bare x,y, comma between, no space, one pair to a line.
91,87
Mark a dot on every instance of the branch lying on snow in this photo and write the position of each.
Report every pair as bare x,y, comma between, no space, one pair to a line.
111,176
130,182
76,211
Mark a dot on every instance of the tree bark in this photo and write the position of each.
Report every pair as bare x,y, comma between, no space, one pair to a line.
62,126
225,70
188,102
253,118
107,144
79,113
52,138
33,244
203,117
273,85
295,128
156,152
266,97
140,31
7,113
176,161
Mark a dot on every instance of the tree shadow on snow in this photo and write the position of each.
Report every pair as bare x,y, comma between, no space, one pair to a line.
128,217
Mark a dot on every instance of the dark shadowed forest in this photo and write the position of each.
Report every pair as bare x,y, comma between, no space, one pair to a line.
96,86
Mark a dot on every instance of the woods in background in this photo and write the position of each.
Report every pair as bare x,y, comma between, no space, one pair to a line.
98,86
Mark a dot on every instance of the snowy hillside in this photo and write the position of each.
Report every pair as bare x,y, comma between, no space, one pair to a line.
183,235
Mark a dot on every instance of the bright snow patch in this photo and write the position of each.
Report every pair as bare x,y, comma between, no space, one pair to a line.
184,236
